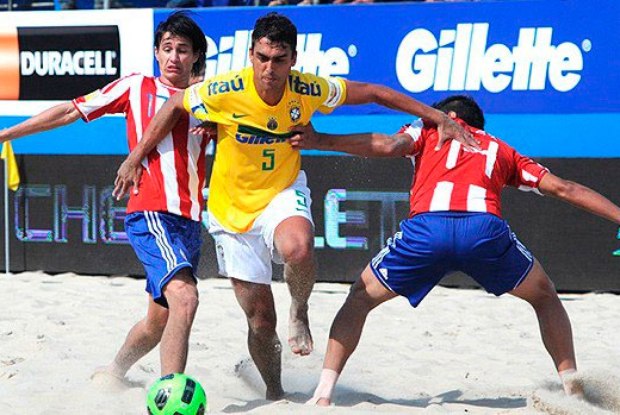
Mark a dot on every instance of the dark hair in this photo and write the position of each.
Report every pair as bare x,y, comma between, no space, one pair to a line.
465,108
277,28
180,24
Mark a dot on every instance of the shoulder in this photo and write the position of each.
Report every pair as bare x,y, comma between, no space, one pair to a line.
232,82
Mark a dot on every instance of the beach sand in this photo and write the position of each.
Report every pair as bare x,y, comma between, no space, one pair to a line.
461,352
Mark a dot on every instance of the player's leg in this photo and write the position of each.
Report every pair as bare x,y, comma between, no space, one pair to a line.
169,248
288,232
294,241
555,327
246,260
366,294
182,296
256,300
140,340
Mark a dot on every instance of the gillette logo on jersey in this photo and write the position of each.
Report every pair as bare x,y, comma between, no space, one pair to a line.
50,59
231,53
249,135
463,60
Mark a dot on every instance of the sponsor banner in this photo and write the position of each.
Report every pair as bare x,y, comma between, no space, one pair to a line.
556,57
66,62
537,135
63,220
82,52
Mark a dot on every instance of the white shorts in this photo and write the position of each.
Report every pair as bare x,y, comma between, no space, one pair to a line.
247,256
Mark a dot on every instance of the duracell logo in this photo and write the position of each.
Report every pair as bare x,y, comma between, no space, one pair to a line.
57,63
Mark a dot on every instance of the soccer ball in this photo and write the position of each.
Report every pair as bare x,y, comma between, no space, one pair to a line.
176,394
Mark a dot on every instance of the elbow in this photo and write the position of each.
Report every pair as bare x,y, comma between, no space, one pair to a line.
564,189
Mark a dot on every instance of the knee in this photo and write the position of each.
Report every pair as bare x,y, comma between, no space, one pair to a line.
262,324
297,252
545,294
182,297
359,300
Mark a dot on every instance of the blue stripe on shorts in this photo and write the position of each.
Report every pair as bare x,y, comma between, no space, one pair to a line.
164,243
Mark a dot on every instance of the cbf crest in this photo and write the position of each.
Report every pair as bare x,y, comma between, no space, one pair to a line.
294,111
272,123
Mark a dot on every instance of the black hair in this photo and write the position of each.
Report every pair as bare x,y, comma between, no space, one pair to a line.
465,108
180,24
277,28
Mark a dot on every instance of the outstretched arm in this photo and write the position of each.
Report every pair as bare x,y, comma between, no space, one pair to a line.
363,144
365,93
580,196
57,116
130,171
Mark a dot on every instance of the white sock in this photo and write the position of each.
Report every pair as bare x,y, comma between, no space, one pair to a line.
326,385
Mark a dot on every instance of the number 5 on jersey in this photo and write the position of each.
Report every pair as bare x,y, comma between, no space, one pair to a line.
270,155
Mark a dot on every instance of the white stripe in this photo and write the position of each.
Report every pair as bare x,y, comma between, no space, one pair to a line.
453,155
491,157
194,153
525,188
414,130
522,248
441,197
164,237
476,199
98,99
152,221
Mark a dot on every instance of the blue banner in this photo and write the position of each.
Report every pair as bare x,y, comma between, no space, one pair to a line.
556,57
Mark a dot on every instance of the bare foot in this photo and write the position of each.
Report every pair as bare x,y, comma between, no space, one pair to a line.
574,387
300,339
106,379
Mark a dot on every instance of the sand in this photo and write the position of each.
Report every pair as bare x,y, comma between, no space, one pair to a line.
460,352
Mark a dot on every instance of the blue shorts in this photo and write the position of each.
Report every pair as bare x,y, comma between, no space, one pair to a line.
431,245
164,243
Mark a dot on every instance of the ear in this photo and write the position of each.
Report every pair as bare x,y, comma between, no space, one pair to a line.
294,58
452,114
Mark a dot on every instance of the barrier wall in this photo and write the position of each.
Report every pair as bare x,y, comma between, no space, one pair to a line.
548,81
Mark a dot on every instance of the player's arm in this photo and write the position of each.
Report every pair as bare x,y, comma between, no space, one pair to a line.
366,93
363,144
580,196
57,116
130,171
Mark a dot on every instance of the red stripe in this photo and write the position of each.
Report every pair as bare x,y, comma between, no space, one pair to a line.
181,156
202,170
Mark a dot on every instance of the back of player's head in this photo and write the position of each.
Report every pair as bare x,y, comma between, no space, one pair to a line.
464,107
180,24
277,28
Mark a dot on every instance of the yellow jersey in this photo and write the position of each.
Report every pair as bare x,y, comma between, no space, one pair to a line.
254,160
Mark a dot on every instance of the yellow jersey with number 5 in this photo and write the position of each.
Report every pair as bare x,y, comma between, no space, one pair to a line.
254,160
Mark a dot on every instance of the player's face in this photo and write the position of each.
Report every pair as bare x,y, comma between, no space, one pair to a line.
175,57
272,63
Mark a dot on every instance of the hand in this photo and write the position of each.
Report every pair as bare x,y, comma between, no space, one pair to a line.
207,128
127,176
448,130
305,136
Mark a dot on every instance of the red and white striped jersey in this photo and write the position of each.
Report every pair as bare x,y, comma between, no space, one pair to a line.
455,179
174,172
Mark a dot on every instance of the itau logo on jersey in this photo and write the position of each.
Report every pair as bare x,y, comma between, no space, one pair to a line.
465,60
58,63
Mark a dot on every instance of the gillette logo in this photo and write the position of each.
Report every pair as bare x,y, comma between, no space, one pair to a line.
232,53
462,60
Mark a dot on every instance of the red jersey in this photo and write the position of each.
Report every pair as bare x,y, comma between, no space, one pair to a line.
455,179
174,171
